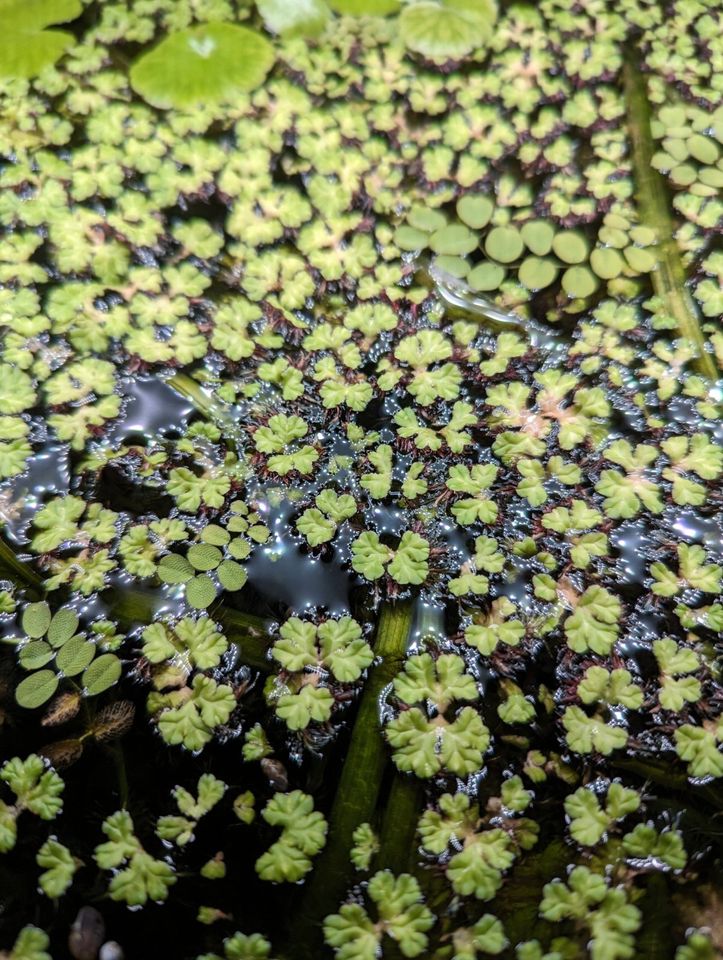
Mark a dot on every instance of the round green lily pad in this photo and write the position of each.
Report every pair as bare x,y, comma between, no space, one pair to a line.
363,8
409,239
570,246
26,54
475,211
447,29
579,282
607,262
206,63
74,656
36,689
486,276
454,240
538,235
101,674
455,266
200,592
306,19
26,47
536,273
504,244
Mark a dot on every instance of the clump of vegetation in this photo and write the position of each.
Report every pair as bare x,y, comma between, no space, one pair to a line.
360,478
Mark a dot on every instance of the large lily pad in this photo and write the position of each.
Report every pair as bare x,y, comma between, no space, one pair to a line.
26,47
305,18
203,64
365,8
443,29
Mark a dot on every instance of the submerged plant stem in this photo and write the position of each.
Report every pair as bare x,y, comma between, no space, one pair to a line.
116,750
247,632
400,823
213,410
10,564
360,781
669,277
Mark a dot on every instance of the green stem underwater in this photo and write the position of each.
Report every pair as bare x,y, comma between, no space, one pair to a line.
360,781
213,410
250,633
10,564
399,826
669,280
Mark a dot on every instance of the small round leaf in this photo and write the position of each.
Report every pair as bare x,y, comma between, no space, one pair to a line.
36,619
35,654
579,282
174,568
36,689
215,535
426,219
454,240
684,174
475,211
570,246
504,244
203,556
409,239
62,626
643,236
703,149
75,655
607,262
231,575
640,259
486,276
239,548
455,266
536,273
200,592
538,235
101,674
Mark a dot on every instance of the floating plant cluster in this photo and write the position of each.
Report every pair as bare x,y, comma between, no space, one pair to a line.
360,479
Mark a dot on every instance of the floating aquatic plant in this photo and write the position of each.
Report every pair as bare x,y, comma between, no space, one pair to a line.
359,476
200,64
27,47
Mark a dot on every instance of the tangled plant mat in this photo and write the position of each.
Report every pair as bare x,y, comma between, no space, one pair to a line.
360,479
